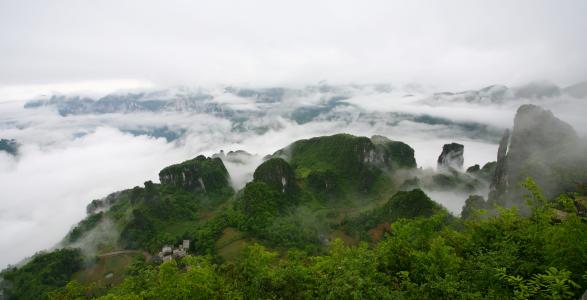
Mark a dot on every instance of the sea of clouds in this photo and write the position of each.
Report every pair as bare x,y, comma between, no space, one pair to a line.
64,162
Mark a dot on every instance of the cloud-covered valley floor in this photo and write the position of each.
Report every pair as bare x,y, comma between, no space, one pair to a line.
74,149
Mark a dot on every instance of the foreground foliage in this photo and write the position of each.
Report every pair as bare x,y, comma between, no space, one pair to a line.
43,274
503,256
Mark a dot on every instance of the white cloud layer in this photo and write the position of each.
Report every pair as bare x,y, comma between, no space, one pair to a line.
65,162
45,191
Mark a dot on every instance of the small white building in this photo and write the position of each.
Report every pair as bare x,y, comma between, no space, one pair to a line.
168,252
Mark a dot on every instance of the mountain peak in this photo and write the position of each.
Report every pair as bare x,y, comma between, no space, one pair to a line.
540,146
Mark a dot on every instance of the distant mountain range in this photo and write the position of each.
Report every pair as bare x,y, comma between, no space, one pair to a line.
242,106
332,205
232,101
9,146
500,94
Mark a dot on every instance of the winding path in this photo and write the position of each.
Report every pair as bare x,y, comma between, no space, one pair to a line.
113,253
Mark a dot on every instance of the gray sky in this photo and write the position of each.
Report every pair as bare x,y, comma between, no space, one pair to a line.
446,44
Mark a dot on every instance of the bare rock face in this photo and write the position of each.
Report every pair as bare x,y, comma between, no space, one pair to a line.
499,181
278,174
237,157
485,173
201,174
9,146
395,154
451,157
542,147
99,205
343,161
536,129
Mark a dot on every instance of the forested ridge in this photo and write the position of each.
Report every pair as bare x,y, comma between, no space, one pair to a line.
501,256
332,217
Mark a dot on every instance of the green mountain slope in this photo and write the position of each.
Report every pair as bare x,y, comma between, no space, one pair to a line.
328,217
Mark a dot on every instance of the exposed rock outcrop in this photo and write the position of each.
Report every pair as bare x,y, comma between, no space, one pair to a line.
396,155
451,157
9,146
200,174
473,169
542,147
499,181
98,205
237,157
277,174
536,129
486,172
344,161
322,181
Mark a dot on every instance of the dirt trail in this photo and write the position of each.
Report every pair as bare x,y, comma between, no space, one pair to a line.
113,253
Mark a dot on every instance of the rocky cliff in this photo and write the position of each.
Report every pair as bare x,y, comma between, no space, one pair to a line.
9,146
499,181
451,157
202,174
542,147
277,174
396,155
486,172
346,162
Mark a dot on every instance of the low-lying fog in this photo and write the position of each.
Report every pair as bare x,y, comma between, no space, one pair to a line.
66,161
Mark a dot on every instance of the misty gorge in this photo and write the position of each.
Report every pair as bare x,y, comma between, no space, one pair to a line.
231,150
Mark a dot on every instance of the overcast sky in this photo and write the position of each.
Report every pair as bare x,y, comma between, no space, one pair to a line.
446,44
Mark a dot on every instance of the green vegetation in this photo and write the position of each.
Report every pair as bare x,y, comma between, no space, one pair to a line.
473,206
453,181
343,167
322,182
504,256
84,226
342,154
161,214
410,204
199,174
299,204
166,213
322,219
205,234
420,251
485,173
259,203
278,175
266,215
44,273
157,214
397,155
103,273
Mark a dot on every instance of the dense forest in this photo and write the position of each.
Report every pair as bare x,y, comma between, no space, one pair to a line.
337,217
